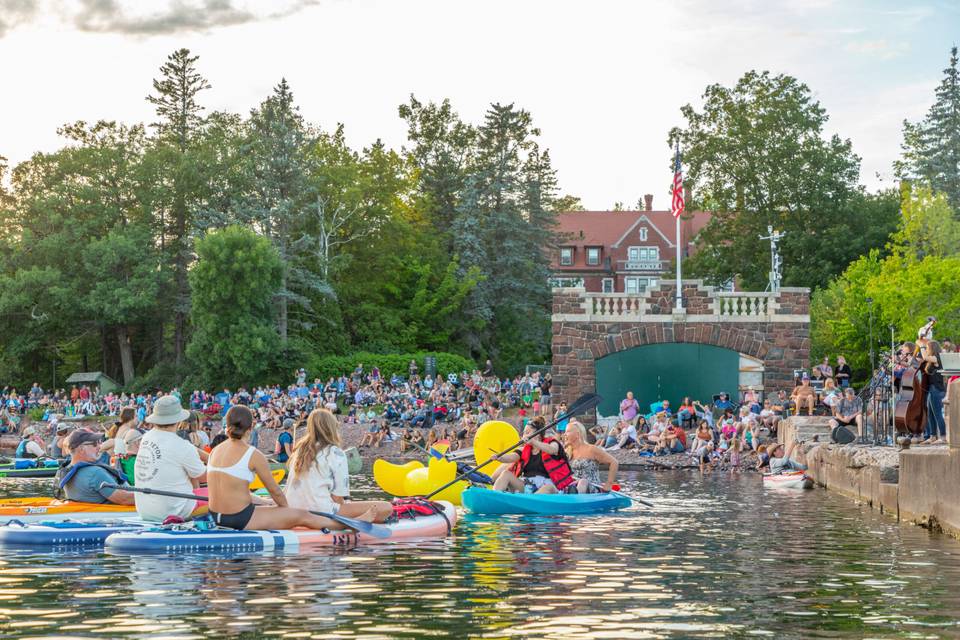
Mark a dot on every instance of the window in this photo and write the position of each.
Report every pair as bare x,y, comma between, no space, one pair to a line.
638,285
593,256
643,254
608,285
566,256
643,234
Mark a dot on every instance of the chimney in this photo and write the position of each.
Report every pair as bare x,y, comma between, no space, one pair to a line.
648,202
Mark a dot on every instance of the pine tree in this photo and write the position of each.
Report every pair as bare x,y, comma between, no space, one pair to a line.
277,161
179,123
931,147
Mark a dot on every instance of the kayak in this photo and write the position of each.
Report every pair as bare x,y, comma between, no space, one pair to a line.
30,463
63,533
39,509
488,501
46,472
790,480
168,540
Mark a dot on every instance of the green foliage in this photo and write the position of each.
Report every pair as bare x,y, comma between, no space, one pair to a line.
756,155
931,147
920,277
233,282
389,364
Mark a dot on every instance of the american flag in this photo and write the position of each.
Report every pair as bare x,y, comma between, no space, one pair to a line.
676,204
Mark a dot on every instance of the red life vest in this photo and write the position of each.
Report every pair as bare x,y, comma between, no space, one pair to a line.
558,469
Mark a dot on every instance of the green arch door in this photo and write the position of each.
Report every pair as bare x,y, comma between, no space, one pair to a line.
668,371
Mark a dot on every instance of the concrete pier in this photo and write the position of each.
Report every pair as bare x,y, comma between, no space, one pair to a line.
920,485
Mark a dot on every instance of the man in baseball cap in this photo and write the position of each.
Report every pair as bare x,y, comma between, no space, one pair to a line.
81,480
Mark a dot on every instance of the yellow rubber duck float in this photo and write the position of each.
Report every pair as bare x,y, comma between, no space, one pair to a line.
415,479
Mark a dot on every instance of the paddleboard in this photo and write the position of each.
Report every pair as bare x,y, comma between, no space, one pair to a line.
66,533
790,480
165,540
490,502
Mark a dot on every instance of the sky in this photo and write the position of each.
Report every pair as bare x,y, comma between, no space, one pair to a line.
603,79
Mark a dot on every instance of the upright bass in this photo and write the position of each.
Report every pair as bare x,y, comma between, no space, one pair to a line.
910,412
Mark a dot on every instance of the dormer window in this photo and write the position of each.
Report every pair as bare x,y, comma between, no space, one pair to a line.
643,234
593,256
566,256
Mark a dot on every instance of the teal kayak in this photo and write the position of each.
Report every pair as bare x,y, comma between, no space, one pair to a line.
491,502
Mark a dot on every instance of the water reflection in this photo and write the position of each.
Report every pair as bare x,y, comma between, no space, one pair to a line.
715,557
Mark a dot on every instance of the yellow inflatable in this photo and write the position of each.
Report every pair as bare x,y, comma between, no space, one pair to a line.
413,479
493,437
277,474
390,477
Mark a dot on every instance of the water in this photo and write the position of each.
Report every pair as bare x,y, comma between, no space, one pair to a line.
716,557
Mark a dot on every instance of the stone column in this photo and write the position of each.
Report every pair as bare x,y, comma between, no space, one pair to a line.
953,415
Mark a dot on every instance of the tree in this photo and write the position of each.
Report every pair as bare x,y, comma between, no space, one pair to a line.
234,335
179,124
277,152
569,203
931,147
756,156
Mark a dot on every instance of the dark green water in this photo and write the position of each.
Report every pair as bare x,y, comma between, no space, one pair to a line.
716,557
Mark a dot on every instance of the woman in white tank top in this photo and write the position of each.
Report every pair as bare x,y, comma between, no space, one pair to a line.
318,478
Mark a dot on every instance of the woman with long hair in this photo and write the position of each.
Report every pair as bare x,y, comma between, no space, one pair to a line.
936,429
585,461
319,480
232,467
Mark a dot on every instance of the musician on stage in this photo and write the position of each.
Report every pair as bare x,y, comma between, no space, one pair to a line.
926,331
936,429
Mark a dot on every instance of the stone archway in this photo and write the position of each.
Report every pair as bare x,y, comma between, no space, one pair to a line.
771,328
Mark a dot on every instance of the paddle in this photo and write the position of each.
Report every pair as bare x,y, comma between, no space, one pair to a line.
615,489
584,403
376,530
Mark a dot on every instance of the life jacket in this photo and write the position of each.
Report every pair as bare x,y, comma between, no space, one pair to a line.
22,450
66,474
558,468
410,508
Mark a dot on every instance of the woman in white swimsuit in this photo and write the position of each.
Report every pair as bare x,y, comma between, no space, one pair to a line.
230,470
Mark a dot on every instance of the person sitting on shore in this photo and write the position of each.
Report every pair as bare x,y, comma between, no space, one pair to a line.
848,411
541,466
585,461
672,440
780,461
167,462
702,445
769,418
626,437
804,395
233,465
81,480
319,479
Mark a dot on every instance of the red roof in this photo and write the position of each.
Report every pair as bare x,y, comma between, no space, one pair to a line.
606,228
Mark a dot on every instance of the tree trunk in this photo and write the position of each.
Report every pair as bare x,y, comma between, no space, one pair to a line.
283,315
126,354
180,283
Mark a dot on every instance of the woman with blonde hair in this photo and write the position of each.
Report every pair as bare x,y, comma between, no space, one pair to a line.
319,479
585,461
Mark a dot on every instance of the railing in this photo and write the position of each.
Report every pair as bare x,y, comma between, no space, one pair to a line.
642,265
742,304
615,305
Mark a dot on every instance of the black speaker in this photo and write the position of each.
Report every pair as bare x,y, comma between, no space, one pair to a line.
842,435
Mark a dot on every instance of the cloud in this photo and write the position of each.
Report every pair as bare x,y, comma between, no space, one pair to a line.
880,49
175,16
14,13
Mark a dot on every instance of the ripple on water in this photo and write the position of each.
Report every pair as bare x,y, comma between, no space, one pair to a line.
715,557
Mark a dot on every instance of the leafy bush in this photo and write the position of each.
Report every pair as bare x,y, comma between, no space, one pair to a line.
389,364
35,414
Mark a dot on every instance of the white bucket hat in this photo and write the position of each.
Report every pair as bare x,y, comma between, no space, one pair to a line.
167,411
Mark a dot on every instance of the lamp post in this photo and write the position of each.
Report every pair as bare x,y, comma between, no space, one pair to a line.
873,361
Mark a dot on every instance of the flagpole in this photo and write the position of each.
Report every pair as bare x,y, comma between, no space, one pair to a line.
679,291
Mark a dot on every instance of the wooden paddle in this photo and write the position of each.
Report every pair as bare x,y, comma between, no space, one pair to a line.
584,403
376,530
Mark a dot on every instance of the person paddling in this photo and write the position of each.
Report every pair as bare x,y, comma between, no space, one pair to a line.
81,480
166,462
319,479
232,467
585,461
540,467
29,446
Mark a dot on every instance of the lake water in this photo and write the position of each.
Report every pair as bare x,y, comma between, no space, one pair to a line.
716,557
